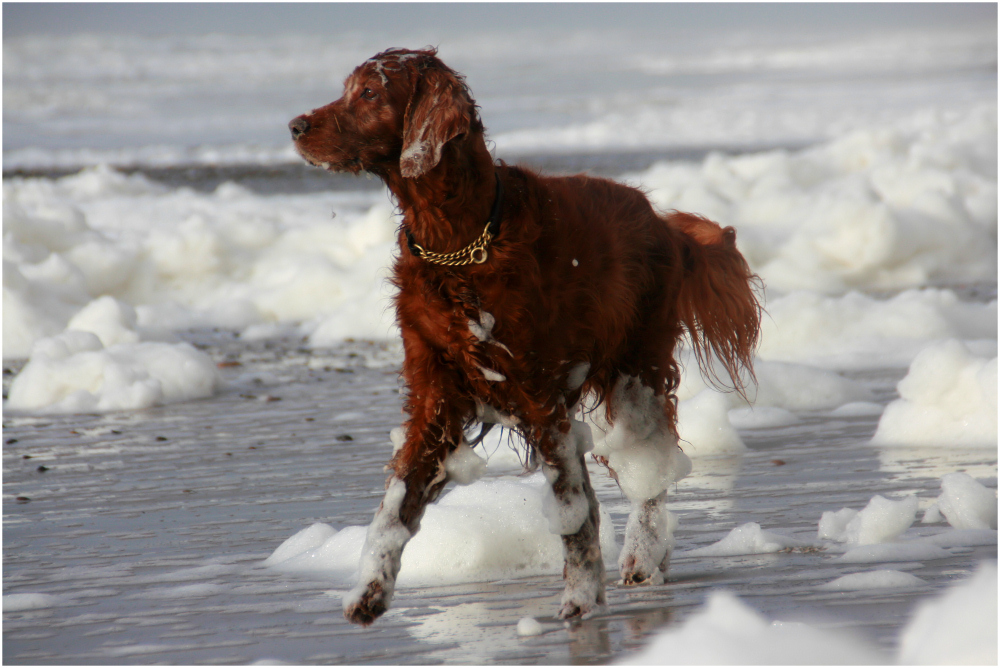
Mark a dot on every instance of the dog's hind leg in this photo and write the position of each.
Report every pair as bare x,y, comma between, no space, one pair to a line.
641,448
649,534
575,516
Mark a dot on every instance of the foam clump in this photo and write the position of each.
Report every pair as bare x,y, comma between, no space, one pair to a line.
854,330
948,398
966,503
882,209
31,601
529,626
303,541
74,372
728,631
230,259
747,538
789,386
897,552
55,262
34,309
639,446
956,628
762,417
488,530
319,548
782,390
111,320
875,533
880,521
567,514
881,579
504,450
464,466
799,387
891,208
704,428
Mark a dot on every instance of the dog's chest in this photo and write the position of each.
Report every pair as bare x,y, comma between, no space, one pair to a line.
495,357
473,347
468,339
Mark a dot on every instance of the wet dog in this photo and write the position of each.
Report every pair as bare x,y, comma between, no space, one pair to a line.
519,295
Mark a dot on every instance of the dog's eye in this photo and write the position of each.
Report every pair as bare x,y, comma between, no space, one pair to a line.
369,94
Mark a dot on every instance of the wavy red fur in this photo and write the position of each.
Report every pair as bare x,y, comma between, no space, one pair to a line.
582,271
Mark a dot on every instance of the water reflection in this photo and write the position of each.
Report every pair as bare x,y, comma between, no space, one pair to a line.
589,641
639,626
708,488
924,463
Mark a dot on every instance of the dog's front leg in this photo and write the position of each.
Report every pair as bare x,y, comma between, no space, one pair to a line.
419,474
576,517
396,521
380,558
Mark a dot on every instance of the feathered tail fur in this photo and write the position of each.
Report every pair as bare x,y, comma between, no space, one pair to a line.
718,303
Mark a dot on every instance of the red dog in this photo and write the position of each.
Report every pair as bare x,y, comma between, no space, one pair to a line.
519,295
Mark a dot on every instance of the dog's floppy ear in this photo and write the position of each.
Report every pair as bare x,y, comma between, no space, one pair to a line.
439,110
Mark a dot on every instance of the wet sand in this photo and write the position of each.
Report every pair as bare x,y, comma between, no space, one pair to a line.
150,528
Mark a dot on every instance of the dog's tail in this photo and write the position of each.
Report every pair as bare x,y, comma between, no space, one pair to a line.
718,304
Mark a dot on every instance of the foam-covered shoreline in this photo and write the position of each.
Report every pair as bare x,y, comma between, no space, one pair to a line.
890,209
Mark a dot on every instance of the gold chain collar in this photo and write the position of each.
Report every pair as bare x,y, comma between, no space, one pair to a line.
475,253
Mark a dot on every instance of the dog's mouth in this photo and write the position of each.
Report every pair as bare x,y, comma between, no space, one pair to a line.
351,165
309,158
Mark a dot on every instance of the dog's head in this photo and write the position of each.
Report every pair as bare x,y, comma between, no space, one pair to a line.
398,111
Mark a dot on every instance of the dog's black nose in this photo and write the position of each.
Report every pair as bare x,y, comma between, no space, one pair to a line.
299,126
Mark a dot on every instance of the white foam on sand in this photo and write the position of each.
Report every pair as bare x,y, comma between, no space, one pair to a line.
887,208
31,601
958,627
235,259
782,390
966,503
728,631
704,427
183,259
74,372
880,521
878,532
948,399
856,331
529,626
488,530
748,538
880,579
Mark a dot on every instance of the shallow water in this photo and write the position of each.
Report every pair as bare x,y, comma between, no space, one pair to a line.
151,528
